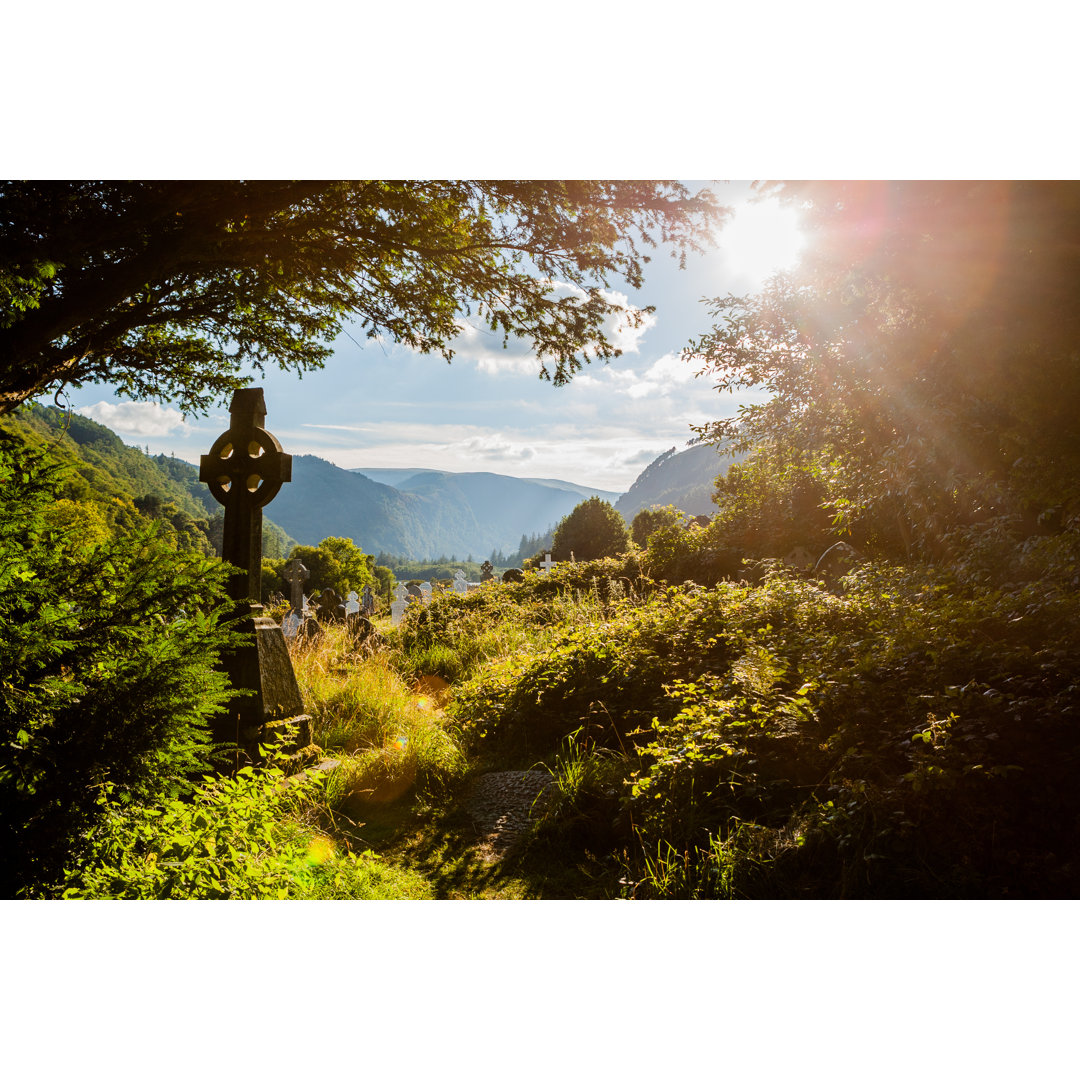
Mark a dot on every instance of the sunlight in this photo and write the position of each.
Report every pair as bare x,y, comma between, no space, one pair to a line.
760,240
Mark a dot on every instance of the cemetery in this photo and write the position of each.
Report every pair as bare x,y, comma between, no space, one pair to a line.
537,727
857,678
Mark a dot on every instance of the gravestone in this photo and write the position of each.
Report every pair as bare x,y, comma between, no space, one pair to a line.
296,573
330,608
425,591
460,584
352,603
414,592
487,571
397,608
835,563
367,606
547,563
244,471
513,575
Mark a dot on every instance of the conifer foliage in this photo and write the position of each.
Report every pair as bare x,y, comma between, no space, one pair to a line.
107,672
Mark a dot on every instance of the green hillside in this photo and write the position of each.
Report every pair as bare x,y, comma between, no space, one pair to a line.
685,480
116,487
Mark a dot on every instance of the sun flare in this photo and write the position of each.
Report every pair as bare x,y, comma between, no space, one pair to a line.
761,239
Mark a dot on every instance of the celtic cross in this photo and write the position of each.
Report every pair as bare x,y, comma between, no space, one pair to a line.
244,471
296,573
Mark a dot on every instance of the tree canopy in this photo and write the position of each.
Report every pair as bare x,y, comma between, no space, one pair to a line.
594,529
923,359
171,290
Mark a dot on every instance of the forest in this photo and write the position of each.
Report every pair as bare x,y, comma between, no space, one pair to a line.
698,714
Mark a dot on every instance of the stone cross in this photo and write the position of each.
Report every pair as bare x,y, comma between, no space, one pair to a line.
296,573
487,571
352,603
244,471
460,584
546,563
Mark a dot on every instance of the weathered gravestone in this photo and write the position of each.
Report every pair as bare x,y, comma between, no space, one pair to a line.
244,471
837,561
460,584
425,591
329,608
295,574
513,575
352,603
397,608
547,562
487,571
367,604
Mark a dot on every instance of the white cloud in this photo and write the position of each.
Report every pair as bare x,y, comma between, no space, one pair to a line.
667,375
495,447
485,348
142,418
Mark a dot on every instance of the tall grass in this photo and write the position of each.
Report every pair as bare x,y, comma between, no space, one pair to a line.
387,738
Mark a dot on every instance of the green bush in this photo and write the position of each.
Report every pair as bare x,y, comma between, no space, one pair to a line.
107,671
237,838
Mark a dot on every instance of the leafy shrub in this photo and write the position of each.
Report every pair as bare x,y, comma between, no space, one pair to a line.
237,838
107,671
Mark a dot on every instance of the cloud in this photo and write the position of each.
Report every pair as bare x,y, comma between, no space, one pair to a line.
485,348
495,447
663,377
142,418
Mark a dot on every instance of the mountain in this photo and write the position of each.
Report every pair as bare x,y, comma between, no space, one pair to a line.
681,479
125,487
401,478
421,513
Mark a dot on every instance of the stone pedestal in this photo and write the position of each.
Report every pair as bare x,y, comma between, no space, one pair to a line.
273,709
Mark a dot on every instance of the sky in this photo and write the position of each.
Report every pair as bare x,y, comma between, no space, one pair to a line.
380,405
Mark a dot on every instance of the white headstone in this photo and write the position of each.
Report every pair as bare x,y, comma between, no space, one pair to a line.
425,591
352,603
290,625
546,563
460,584
397,608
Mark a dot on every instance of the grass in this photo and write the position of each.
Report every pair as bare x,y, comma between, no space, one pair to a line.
388,738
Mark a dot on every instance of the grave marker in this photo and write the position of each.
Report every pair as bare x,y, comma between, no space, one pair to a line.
547,563
397,608
244,471
460,584
296,573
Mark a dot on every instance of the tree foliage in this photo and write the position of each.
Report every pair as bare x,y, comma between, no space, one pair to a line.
926,351
647,521
107,669
594,529
335,563
172,289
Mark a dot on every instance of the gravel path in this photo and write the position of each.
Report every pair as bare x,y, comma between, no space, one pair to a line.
501,808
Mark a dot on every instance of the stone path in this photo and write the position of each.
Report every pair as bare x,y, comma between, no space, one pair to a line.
501,807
